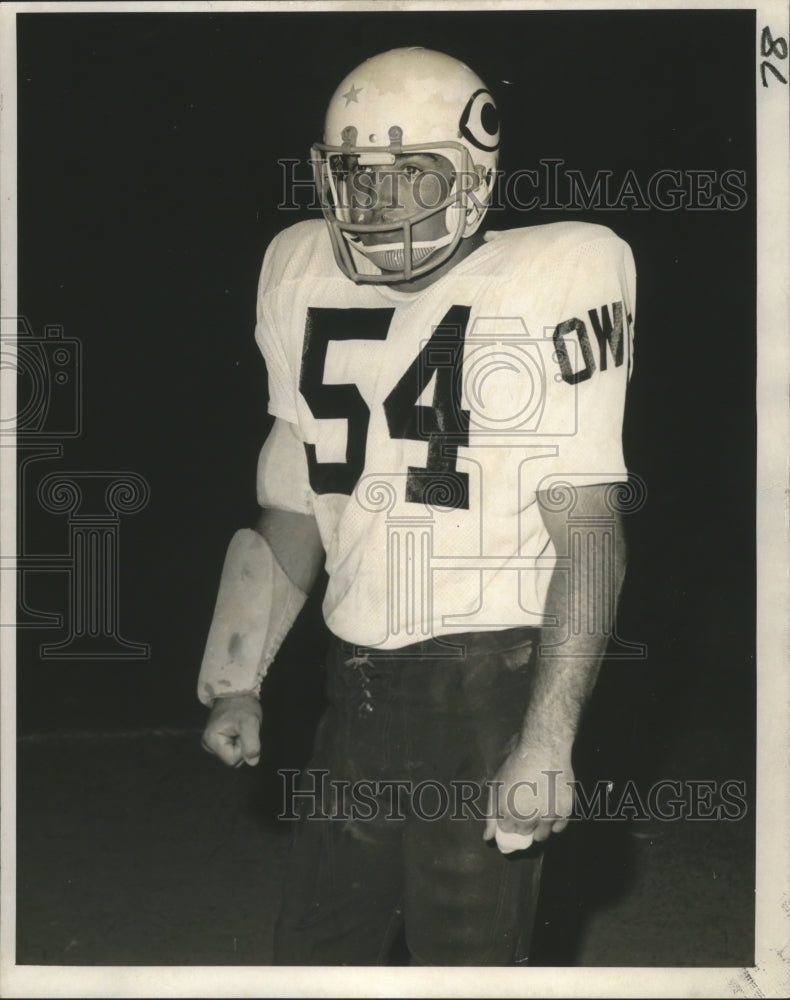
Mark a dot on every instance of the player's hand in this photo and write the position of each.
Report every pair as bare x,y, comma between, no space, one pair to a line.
533,800
233,730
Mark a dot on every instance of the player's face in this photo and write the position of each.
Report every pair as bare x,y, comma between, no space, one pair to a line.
383,193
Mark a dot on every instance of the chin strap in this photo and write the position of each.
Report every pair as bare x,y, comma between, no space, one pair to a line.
391,256
256,606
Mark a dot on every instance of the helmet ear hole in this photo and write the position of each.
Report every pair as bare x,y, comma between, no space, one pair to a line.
482,177
485,176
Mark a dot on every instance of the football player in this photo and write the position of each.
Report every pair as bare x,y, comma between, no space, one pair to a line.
448,411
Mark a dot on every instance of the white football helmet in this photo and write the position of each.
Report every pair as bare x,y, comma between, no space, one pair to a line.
404,102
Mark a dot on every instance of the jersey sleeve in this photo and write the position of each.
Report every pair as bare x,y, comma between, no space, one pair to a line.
283,481
270,331
591,334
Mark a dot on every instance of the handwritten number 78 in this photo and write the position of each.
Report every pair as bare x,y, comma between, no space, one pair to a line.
770,46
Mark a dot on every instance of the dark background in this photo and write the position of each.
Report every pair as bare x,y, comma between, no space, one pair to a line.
148,186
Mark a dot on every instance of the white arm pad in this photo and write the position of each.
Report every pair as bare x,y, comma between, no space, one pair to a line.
256,606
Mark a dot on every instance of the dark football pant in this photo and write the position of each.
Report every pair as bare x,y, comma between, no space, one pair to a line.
410,854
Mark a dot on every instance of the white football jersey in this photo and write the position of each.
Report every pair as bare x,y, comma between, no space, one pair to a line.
431,419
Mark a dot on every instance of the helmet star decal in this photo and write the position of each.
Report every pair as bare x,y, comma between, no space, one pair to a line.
351,94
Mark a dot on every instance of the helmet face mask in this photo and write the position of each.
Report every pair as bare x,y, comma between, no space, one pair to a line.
371,212
396,209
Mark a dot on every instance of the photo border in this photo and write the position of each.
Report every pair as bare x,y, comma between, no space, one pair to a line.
770,976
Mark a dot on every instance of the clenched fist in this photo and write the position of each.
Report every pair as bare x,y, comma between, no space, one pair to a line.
531,798
233,730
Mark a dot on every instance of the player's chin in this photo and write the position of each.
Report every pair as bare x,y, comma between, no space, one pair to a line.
372,240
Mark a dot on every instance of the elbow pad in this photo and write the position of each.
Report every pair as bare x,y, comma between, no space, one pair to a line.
256,606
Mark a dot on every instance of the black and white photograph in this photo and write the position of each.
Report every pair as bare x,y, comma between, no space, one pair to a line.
394,536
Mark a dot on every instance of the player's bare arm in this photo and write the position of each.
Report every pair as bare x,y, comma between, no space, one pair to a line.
562,682
295,542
